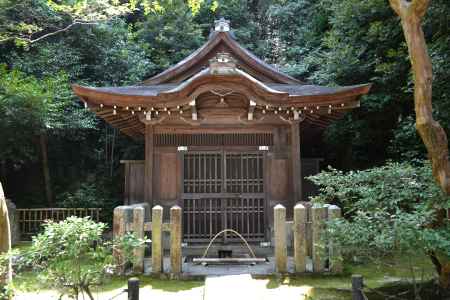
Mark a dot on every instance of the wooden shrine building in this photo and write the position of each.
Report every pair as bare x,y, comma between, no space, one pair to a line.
222,133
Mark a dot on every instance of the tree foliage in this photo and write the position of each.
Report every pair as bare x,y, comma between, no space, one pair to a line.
323,42
75,244
29,106
389,210
24,26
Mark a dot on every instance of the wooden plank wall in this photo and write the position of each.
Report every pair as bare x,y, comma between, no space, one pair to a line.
167,178
134,181
167,185
278,190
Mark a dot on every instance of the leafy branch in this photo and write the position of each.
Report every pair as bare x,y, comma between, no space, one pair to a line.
44,36
27,28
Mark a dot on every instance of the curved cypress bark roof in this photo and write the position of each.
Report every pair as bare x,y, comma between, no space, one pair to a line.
155,90
182,93
220,71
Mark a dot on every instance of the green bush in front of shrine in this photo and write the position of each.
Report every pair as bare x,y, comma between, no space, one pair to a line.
392,210
72,256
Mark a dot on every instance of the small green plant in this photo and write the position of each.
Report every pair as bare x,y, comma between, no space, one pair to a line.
91,194
6,291
125,245
71,256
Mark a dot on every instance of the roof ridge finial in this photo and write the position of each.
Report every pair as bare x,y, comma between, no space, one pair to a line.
222,25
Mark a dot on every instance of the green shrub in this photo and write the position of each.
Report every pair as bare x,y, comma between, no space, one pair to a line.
6,291
71,256
90,195
392,209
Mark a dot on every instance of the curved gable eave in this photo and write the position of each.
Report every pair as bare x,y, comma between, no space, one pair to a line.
236,81
242,54
204,81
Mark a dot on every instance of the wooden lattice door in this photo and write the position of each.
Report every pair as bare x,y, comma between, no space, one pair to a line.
223,190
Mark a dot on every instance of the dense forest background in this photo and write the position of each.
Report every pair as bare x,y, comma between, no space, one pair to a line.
53,152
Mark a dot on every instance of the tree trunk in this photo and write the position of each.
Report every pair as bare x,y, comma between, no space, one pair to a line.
45,168
89,293
3,171
5,236
433,135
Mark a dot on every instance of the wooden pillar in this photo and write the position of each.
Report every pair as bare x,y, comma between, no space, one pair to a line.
318,216
300,246
175,240
296,162
334,212
127,184
280,238
138,229
277,140
157,249
149,150
280,140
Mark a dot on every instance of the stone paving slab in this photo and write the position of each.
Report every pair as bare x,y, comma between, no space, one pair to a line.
234,287
243,286
190,269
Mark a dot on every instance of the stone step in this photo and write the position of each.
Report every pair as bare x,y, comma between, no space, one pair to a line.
237,250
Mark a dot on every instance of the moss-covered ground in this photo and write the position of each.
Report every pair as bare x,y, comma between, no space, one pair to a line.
391,275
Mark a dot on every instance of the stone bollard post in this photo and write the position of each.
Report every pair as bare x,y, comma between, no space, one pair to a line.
5,236
133,289
357,286
318,217
280,238
334,212
157,249
119,228
13,222
300,245
175,240
138,229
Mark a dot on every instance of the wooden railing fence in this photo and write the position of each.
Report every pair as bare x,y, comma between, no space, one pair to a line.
135,219
31,219
308,233
309,239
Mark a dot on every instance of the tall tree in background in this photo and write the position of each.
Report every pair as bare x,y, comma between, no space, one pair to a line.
99,49
433,135
169,30
30,108
323,41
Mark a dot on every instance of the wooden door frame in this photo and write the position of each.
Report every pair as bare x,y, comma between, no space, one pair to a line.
223,150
